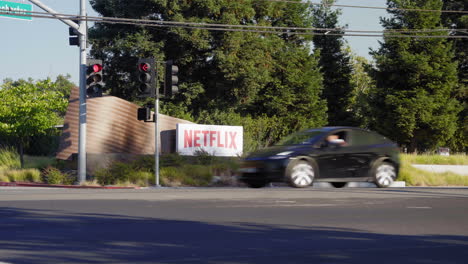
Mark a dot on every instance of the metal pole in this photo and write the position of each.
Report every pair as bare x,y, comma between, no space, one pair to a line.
82,113
156,125
156,138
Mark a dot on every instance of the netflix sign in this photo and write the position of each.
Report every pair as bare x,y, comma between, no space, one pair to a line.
223,141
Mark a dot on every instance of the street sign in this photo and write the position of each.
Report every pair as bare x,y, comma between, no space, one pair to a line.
16,8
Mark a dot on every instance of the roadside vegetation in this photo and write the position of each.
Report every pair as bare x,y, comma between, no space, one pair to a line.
417,177
201,170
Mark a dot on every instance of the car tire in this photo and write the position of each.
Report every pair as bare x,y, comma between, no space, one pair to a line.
338,184
384,174
256,184
301,174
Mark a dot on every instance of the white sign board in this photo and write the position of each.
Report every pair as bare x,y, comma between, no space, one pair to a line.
225,141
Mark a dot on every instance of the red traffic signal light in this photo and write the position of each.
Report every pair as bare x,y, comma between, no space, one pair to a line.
94,78
146,67
96,67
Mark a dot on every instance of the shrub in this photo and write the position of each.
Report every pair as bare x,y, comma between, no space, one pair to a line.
52,175
120,173
171,160
197,175
26,175
141,178
172,176
4,178
9,159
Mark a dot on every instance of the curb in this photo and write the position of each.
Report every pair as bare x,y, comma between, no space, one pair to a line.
30,184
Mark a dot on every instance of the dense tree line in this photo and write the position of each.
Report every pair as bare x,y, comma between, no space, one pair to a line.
274,84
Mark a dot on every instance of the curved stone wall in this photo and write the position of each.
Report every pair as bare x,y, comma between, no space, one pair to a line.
112,127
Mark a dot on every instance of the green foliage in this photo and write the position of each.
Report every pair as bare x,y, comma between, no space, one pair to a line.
362,84
413,102
187,175
9,159
271,80
23,175
460,159
335,64
29,109
39,162
416,177
175,170
52,175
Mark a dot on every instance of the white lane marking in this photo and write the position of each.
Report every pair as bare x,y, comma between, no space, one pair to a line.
419,207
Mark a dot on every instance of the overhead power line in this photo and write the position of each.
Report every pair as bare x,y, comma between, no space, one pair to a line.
402,33
371,7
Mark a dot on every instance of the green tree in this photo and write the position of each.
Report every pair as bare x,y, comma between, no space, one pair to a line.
416,77
335,65
363,84
247,73
28,109
459,23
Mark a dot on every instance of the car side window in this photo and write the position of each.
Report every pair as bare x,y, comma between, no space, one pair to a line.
338,138
362,138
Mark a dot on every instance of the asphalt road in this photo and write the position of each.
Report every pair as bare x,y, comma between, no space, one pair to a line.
234,225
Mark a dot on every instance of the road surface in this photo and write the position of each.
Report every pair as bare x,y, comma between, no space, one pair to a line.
234,225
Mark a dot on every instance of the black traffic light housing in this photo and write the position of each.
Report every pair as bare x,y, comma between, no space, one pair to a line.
146,77
144,114
74,39
74,36
94,78
171,79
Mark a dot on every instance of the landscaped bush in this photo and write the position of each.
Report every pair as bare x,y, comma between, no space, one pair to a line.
52,175
25,175
9,159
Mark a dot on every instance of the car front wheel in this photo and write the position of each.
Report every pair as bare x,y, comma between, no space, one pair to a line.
301,174
384,174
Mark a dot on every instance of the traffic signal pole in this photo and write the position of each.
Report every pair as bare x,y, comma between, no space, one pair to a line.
83,111
82,31
156,136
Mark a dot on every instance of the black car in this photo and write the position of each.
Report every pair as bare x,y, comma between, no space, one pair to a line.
330,154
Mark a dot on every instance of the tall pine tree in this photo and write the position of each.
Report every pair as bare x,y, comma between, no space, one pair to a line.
458,22
335,65
416,77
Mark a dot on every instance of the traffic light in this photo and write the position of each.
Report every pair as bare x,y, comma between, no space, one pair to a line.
171,80
94,80
146,77
144,114
74,39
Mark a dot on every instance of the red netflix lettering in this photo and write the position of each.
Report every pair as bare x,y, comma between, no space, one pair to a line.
233,140
219,140
187,138
212,137
205,137
196,138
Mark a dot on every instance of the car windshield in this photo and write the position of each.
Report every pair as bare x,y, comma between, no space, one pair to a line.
299,138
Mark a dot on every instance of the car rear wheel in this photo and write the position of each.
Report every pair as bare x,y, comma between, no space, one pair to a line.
338,184
384,174
301,174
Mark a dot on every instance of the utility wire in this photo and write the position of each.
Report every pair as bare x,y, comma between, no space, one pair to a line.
241,28
371,7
